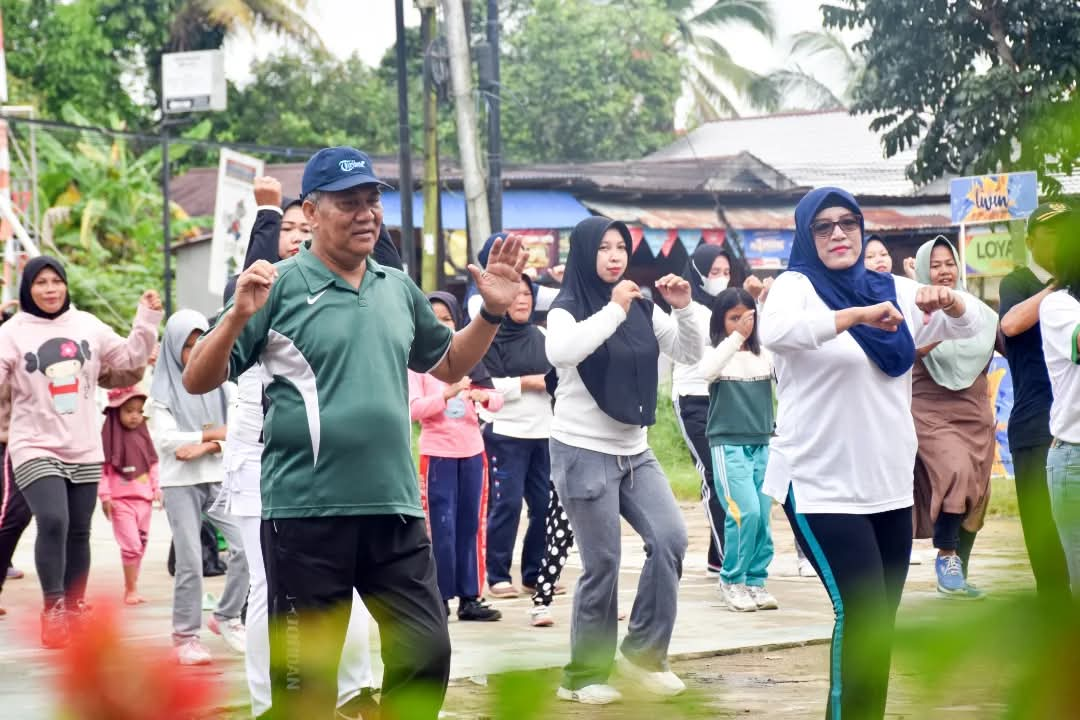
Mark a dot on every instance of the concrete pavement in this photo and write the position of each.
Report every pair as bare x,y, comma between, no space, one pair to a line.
703,628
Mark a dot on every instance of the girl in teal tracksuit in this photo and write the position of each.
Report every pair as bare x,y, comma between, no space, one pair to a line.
740,375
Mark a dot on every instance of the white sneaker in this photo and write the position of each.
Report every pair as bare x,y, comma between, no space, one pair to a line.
762,598
806,569
192,652
540,616
590,695
663,683
737,597
231,631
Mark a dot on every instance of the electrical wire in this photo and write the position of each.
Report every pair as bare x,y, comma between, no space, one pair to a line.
283,150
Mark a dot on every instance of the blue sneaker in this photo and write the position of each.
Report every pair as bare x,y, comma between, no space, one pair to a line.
950,575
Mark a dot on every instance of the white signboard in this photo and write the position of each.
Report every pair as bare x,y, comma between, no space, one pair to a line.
234,214
193,81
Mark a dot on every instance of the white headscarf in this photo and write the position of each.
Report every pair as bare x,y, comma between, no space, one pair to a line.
191,412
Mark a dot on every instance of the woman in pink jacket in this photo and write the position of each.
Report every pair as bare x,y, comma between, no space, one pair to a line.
453,473
52,356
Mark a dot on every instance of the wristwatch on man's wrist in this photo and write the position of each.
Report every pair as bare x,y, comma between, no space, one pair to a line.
490,317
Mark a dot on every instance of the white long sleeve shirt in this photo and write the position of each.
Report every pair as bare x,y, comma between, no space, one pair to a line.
525,414
688,379
845,438
168,439
578,420
1059,322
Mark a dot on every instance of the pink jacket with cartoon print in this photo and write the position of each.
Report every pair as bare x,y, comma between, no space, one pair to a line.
53,368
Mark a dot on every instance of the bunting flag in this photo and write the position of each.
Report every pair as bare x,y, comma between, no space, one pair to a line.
690,239
672,238
713,236
656,239
636,233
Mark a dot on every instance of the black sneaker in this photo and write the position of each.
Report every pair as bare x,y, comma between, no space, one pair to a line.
55,632
474,609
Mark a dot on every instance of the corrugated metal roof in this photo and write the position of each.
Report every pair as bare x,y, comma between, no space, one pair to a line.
813,149
879,218
739,173
669,217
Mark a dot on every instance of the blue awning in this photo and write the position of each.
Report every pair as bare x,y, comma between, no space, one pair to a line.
522,209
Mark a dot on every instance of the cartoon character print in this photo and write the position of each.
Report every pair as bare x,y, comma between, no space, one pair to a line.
61,360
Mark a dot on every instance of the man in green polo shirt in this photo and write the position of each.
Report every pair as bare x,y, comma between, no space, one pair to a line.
336,332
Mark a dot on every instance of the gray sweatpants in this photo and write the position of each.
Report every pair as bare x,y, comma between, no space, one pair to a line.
596,489
184,507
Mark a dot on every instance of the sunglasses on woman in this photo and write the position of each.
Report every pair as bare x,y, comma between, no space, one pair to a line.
823,229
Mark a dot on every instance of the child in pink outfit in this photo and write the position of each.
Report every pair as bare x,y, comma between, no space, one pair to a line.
453,473
129,481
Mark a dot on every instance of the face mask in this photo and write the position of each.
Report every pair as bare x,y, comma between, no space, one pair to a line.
715,285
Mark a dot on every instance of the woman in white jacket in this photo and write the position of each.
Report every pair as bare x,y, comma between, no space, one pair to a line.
604,340
843,340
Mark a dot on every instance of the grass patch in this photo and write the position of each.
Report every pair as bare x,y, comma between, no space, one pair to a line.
1003,498
666,441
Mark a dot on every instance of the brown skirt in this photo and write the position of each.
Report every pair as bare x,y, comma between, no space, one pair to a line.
956,451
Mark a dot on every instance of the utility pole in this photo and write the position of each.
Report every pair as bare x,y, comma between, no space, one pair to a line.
408,249
429,268
494,96
166,215
476,204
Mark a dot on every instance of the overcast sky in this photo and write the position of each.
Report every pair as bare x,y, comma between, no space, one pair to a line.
367,27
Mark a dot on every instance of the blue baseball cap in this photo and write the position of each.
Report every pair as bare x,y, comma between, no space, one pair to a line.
338,168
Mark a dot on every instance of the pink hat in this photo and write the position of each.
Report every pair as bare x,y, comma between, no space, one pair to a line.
119,396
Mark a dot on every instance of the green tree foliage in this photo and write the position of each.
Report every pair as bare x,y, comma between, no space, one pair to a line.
309,99
59,52
111,238
978,86
584,81
143,30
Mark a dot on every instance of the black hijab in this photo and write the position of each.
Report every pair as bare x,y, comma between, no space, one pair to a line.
30,272
519,348
621,375
697,269
479,374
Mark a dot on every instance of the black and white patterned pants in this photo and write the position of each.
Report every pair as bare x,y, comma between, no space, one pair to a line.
558,538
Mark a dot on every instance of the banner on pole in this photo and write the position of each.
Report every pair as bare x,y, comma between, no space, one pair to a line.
767,249
993,198
234,214
456,254
989,252
541,245
1000,389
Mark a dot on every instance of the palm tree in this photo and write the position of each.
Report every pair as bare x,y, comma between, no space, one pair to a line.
794,87
195,20
709,72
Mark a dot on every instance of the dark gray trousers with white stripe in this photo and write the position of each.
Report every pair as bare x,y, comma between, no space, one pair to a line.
692,412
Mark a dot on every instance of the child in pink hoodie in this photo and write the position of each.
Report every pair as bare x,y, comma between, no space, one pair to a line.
129,481
453,473
52,355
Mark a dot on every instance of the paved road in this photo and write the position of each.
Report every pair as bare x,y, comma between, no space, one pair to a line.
703,628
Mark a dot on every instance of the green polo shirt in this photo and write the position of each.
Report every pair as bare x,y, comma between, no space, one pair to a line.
337,434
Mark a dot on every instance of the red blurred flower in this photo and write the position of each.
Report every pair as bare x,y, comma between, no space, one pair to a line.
102,676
